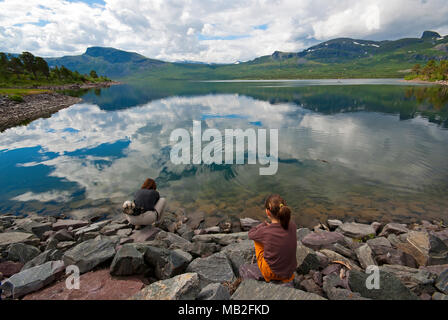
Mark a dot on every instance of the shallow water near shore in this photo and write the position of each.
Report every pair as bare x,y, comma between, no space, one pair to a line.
366,149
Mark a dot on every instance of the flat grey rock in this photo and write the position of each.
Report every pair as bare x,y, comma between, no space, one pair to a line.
259,290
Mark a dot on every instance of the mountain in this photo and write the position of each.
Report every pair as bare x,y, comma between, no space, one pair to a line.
336,58
111,62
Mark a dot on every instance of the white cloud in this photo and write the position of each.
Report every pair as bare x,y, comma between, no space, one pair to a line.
211,31
54,195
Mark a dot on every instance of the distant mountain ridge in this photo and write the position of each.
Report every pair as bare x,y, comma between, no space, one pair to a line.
337,58
113,62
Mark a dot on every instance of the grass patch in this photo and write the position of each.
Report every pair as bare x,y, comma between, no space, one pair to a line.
20,92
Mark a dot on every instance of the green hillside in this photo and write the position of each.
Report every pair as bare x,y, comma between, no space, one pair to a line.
337,58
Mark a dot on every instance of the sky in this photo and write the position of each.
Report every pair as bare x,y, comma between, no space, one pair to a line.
212,31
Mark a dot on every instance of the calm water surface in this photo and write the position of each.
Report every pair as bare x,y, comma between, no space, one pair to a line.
368,149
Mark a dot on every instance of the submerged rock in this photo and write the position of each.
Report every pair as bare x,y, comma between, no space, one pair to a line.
181,287
250,289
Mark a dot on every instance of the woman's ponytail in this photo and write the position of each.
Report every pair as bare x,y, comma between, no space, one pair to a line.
278,208
284,215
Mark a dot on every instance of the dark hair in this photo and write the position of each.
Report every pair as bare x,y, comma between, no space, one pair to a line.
149,184
278,208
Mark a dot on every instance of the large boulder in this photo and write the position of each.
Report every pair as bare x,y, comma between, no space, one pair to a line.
89,254
222,238
214,291
357,230
390,287
393,228
365,256
323,239
21,252
148,233
181,287
250,289
417,280
442,282
307,259
215,268
426,248
248,223
204,249
95,285
167,263
48,255
40,228
127,261
32,279
8,238
239,253
173,241
302,233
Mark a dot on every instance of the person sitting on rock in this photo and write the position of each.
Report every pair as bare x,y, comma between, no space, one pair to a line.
275,245
147,207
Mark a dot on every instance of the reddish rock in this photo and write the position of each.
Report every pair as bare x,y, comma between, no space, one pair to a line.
9,268
97,285
148,233
324,239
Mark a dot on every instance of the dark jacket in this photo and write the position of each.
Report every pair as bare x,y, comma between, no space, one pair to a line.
146,199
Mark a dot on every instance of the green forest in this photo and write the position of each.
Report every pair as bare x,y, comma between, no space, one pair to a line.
26,70
432,71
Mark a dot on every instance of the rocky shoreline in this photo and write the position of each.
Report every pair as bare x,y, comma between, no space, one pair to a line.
182,258
35,106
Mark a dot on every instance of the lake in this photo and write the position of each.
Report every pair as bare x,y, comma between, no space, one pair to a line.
362,149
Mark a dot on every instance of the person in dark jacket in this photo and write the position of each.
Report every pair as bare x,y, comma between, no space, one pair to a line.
276,242
148,203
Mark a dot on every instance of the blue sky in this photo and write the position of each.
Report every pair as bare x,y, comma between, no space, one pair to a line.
221,31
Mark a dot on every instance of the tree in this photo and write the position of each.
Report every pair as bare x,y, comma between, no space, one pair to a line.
417,69
42,67
65,73
29,62
4,65
15,66
93,74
